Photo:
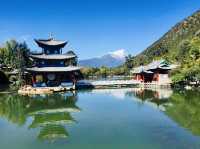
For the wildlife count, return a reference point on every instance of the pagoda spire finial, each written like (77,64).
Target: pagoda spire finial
(51,35)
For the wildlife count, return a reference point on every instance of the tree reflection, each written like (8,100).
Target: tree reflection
(183,107)
(49,113)
(185,110)
(13,108)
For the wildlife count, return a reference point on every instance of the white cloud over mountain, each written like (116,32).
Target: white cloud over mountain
(112,59)
(121,53)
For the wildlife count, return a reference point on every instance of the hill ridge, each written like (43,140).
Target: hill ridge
(186,29)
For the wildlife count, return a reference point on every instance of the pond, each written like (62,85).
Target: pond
(110,119)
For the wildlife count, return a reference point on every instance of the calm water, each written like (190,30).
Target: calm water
(110,119)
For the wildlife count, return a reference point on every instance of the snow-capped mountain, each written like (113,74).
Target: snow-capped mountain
(112,59)
(119,54)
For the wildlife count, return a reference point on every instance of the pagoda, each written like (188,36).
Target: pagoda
(51,67)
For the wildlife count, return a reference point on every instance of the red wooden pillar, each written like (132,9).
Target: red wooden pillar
(143,77)
(157,76)
(136,77)
(33,79)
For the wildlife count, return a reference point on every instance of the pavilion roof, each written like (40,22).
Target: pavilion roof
(141,69)
(53,69)
(53,56)
(160,64)
(50,42)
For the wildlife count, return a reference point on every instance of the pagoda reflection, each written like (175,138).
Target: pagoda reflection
(49,113)
(53,132)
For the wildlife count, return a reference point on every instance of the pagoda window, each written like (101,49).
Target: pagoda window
(51,77)
(56,52)
(37,63)
(69,62)
(39,78)
(66,63)
(61,63)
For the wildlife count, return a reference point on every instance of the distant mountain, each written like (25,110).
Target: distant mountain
(168,46)
(112,59)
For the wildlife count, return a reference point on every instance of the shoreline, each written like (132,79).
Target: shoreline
(96,84)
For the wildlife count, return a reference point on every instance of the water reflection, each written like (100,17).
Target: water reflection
(49,113)
(185,110)
(180,106)
(183,107)
(155,97)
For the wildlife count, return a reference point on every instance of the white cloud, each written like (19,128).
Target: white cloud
(121,53)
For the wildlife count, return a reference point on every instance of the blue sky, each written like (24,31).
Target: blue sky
(93,27)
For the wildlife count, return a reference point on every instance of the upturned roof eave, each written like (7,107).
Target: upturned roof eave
(46,43)
(163,68)
(52,57)
(53,69)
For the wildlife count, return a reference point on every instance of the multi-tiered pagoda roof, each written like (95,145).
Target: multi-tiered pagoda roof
(50,43)
(52,64)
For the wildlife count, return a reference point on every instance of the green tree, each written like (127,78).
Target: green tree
(183,49)
(129,61)
(15,55)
